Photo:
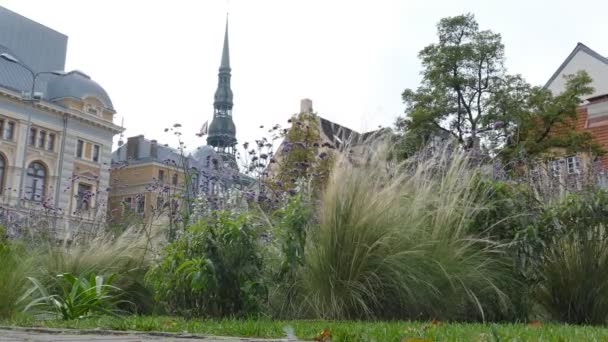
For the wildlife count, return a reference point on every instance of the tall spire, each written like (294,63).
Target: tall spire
(222,131)
(226,52)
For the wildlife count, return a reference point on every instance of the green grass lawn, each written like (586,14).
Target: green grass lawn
(340,331)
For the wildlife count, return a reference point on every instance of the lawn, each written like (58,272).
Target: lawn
(340,331)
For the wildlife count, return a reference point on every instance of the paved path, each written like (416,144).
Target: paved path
(60,335)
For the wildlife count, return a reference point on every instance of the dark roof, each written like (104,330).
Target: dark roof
(16,78)
(41,49)
(226,52)
(579,47)
(336,133)
(340,135)
(222,131)
(77,85)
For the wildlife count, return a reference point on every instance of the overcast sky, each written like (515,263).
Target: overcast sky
(158,60)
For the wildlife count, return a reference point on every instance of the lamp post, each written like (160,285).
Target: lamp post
(32,98)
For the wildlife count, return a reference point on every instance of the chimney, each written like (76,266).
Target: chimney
(133,147)
(306,106)
(153,149)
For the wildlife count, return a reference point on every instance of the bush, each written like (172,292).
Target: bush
(127,255)
(394,242)
(214,269)
(16,263)
(573,284)
(78,297)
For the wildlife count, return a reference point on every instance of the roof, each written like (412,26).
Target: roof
(38,46)
(580,47)
(340,135)
(75,84)
(41,49)
(78,85)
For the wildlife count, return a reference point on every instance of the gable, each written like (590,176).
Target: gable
(582,58)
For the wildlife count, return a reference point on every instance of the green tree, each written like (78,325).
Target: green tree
(543,120)
(467,94)
(461,74)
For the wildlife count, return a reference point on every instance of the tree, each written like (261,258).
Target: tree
(545,121)
(461,74)
(467,94)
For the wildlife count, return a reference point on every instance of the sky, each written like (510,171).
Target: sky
(159,60)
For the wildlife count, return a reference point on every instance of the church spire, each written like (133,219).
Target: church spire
(226,52)
(222,132)
(223,94)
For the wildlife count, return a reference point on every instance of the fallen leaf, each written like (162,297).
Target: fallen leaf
(324,336)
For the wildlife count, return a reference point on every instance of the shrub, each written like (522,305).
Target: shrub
(573,284)
(127,255)
(213,269)
(291,226)
(16,263)
(393,241)
(78,297)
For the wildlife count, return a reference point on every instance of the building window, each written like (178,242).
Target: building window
(51,145)
(174,179)
(128,202)
(33,133)
(2,168)
(85,193)
(42,139)
(141,203)
(573,165)
(159,202)
(79,148)
(96,151)
(1,129)
(161,175)
(35,182)
(554,167)
(10,130)
(90,109)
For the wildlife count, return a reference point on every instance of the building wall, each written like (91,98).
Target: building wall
(597,69)
(599,130)
(64,170)
(136,180)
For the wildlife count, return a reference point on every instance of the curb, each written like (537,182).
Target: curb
(67,331)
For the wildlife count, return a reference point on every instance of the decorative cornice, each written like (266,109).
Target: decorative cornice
(54,108)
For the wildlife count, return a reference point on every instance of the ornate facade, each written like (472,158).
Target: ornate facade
(56,131)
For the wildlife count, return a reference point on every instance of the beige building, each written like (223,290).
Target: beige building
(148,180)
(56,131)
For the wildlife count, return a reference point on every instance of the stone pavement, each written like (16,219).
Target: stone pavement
(60,335)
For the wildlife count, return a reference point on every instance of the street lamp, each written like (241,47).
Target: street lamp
(32,98)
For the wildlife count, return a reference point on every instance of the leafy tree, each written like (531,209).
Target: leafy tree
(467,94)
(544,121)
(461,74)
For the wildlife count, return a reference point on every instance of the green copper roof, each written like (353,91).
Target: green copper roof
(226,52)
(222,132)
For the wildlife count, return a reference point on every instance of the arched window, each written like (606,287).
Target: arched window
(2,172)
(35,182)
